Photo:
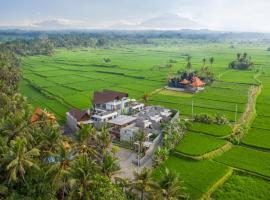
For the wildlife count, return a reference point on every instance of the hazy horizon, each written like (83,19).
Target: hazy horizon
(222,15)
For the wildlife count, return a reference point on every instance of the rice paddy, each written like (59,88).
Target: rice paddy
(68,79)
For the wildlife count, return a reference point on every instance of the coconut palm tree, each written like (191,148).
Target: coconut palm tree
(19,159)
(49,141)
(238,56)
(58,171)
(84,141)
(204,61)
(104,139)
(109,165)
(143,182)
(140,137)
(170,186)
(80,175)
(161,155)
(211,61)
(189,66)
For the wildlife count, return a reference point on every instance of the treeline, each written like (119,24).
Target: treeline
(43,42)
(23,47)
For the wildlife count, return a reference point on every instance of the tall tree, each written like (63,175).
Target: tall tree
(20,159)
(204,61)
(211,61)
(143,182)
(170,186)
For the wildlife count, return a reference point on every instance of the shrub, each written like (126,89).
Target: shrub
(204,118)
(221,119)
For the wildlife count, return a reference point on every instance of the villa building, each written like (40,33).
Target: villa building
(75,117)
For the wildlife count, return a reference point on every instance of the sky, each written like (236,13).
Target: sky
(225,15)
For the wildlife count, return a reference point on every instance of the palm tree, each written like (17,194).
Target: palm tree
(109,165)
(245,55)
(204,61)
(140,137)
(84,143)
(104,139)
(19,159)
(49,141)
(161,155)
(170,186)
(145,97)
(238,56)
(143,182)
(80,175)
(189,66)
(211,61)
(59,170)
(189,58)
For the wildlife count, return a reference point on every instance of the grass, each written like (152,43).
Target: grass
(67,74)
(247,159)
(196,144)
(243,186)
(211,129)
(198,177)
(258,138)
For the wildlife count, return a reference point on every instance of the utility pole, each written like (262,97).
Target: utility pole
(139,155)
(192,108)
(235,116)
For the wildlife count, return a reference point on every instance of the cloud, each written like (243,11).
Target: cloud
(236,15)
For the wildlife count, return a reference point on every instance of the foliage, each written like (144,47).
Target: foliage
(243,62)
(171,186)
(204,118)
(208,119)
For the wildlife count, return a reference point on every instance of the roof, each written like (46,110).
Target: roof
(185,81)
(197,82)
(38,113)
(107,96)
(78,114)
(122,120)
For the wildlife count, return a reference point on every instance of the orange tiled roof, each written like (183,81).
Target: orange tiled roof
(197,82)
(37,114)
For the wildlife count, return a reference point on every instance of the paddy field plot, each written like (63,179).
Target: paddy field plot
(243,186)
(211,129)
(247,159)
(198,176)
(196,144)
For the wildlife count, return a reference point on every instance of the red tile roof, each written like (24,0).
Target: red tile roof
(37,114)
(107,96)
(197,82)
(79,114)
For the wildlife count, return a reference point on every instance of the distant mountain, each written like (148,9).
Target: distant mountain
(53,24)
(166,21)
(170,21)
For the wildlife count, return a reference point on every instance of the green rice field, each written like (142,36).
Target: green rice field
(243,186)
(197,144)
(68,79)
